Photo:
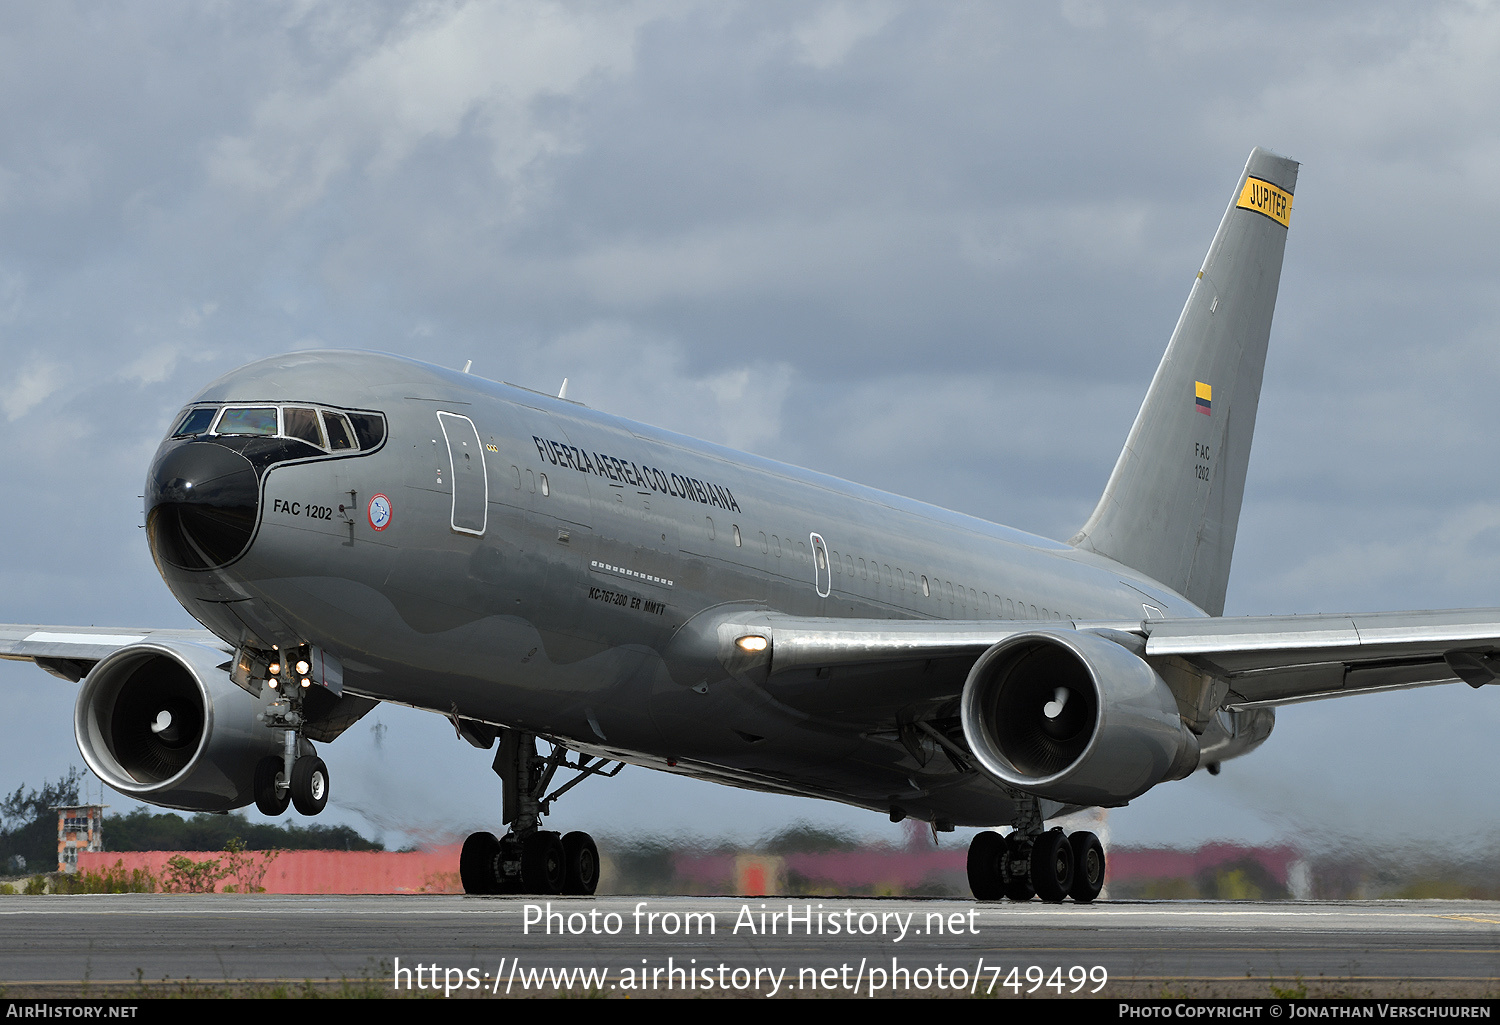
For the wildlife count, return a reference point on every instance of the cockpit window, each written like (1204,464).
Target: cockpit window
(248,420)
(195,422)
(369,429)
(302,423)
(326,429)
(340,437)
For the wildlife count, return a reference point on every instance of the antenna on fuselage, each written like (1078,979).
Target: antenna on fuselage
(562,392)
(467,364)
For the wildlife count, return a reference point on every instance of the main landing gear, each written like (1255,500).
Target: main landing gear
(1031,862)
(529,859)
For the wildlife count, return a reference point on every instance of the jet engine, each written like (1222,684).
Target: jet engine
(1074,717)
(164,723)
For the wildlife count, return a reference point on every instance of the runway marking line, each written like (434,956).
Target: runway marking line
(1470,918)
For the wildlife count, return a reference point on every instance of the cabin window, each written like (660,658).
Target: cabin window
(736,528)
(926,590)
(546,488)
(765,546)
(515,472)
(710,520)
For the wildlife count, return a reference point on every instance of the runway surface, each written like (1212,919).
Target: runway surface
(659,946)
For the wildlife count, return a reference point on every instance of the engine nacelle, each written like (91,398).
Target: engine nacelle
(163,723)
(1074,717)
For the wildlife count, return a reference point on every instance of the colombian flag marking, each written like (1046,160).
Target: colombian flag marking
(1205,397)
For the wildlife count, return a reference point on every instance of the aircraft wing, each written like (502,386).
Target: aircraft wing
(871,669)
(1279,660)
(1265,660)
(69,652)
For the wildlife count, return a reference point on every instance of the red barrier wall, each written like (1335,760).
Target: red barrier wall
(429,871)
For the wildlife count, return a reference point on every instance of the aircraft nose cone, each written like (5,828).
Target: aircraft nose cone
(201,505)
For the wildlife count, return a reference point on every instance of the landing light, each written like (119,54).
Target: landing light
(752,643)
(306,682)
(302,668)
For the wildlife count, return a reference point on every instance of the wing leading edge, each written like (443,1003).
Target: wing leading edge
(69,652)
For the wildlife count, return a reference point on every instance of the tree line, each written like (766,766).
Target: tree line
(28,830)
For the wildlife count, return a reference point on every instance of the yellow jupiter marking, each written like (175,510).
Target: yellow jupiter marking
(1265,198)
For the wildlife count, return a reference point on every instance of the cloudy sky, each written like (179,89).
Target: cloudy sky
(932,247)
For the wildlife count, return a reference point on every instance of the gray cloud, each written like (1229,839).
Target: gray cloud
(934,248)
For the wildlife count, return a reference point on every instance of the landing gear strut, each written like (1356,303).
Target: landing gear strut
(1032,862)
(529,859)
(297,776)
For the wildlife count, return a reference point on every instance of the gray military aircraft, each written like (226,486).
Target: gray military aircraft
(354,528)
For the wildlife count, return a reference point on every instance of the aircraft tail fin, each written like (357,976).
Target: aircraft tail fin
(1172,505)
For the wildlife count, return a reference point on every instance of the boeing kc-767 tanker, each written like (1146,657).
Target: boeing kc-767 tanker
(352,528)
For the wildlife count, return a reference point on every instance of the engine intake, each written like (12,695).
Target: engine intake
(163,723)
(1074,717)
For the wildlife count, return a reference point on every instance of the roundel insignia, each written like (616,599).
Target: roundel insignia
(380,512)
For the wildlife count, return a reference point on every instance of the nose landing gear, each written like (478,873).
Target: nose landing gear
(309,785)
(529,859)
(297,776)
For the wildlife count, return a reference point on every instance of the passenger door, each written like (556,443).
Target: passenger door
(471,488)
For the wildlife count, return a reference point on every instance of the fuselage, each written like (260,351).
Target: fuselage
(493,553)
